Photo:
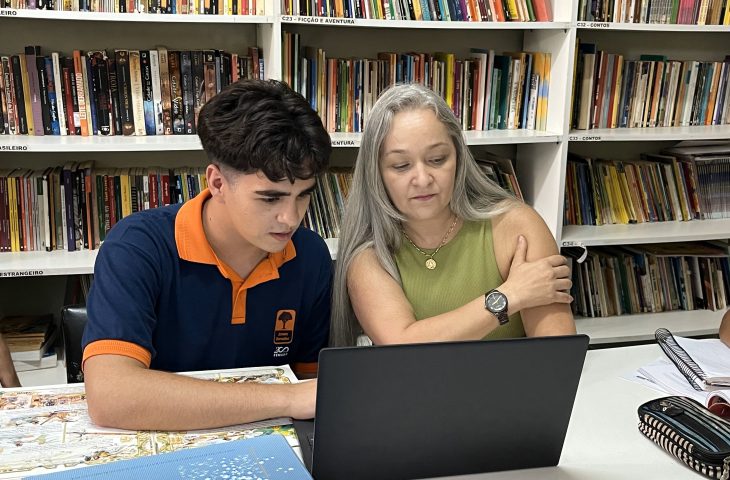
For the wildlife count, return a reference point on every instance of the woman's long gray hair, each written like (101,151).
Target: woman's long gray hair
(372,221)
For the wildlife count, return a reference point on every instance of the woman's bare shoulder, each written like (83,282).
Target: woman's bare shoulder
(526,221)
(517,219)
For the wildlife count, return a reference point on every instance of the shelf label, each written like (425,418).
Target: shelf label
(319,20)
(8,13)
(571,243)
(13,148)
(594,25)
(343,143)
(22,273)
(584,138)
(576,244)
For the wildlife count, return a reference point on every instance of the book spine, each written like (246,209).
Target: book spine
(53,103)
(116,112)
(69,226)
(198,69)
(125,92)
(80,95)
(157,110)
(135,81)
(3,105)
(90,95)
(186,76)
(147,94)
(165,91)
(33,92)
(72,104)
(105,100)
(20,103)
(9,97)
(43,83)
(178,119)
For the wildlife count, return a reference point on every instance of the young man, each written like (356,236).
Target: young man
(226,280)
(8,376)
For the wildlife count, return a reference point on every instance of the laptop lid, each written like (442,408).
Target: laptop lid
(439,409)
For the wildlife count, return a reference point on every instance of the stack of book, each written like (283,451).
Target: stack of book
(74,206)
(327,204)
(687,12)
(485,91)
(128,92)
(501,171)
(682,183)
(180,7)
(653,91)
(651,278)
(30,340)
(426,10)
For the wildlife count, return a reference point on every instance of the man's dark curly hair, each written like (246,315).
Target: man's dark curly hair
(254,125)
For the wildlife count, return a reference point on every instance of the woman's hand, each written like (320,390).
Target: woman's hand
(538,283)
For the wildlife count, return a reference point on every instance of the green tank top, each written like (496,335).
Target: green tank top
(466,269)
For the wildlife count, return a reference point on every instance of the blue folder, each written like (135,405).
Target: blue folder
(267,457)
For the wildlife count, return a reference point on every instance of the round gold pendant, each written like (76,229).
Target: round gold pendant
(431,264)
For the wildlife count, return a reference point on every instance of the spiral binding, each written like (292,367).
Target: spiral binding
(681,359)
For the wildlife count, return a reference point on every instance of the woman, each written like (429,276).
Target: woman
(428,241)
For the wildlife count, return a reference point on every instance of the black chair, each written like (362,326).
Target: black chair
(73,321)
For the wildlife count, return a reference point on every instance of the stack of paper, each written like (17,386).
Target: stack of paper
(711,355)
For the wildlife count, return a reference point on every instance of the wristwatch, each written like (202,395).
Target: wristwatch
(496,302)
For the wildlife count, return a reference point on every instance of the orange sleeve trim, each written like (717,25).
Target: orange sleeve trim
(308,368)
(117,347)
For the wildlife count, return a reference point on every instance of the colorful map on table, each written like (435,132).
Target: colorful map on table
(47,429)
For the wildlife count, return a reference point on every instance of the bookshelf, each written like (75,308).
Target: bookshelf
(540,156)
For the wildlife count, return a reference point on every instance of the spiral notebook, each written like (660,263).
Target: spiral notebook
(704,368)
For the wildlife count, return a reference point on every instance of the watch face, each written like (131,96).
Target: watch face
(496,302)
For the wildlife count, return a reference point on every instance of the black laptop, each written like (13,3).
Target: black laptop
(441,409)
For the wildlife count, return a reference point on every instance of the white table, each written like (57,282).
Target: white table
(603,441)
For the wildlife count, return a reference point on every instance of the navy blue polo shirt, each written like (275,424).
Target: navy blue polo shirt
(161,296)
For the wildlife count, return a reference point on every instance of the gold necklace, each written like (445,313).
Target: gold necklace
(430,262)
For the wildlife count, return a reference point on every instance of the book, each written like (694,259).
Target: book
(704,368)
(28,337)
(48,360)
(266,457)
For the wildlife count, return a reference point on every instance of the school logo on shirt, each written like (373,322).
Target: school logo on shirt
(284,330)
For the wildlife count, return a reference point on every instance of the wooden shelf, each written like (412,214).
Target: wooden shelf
(133,17)
(635,328)
(591,235)
(38,264)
